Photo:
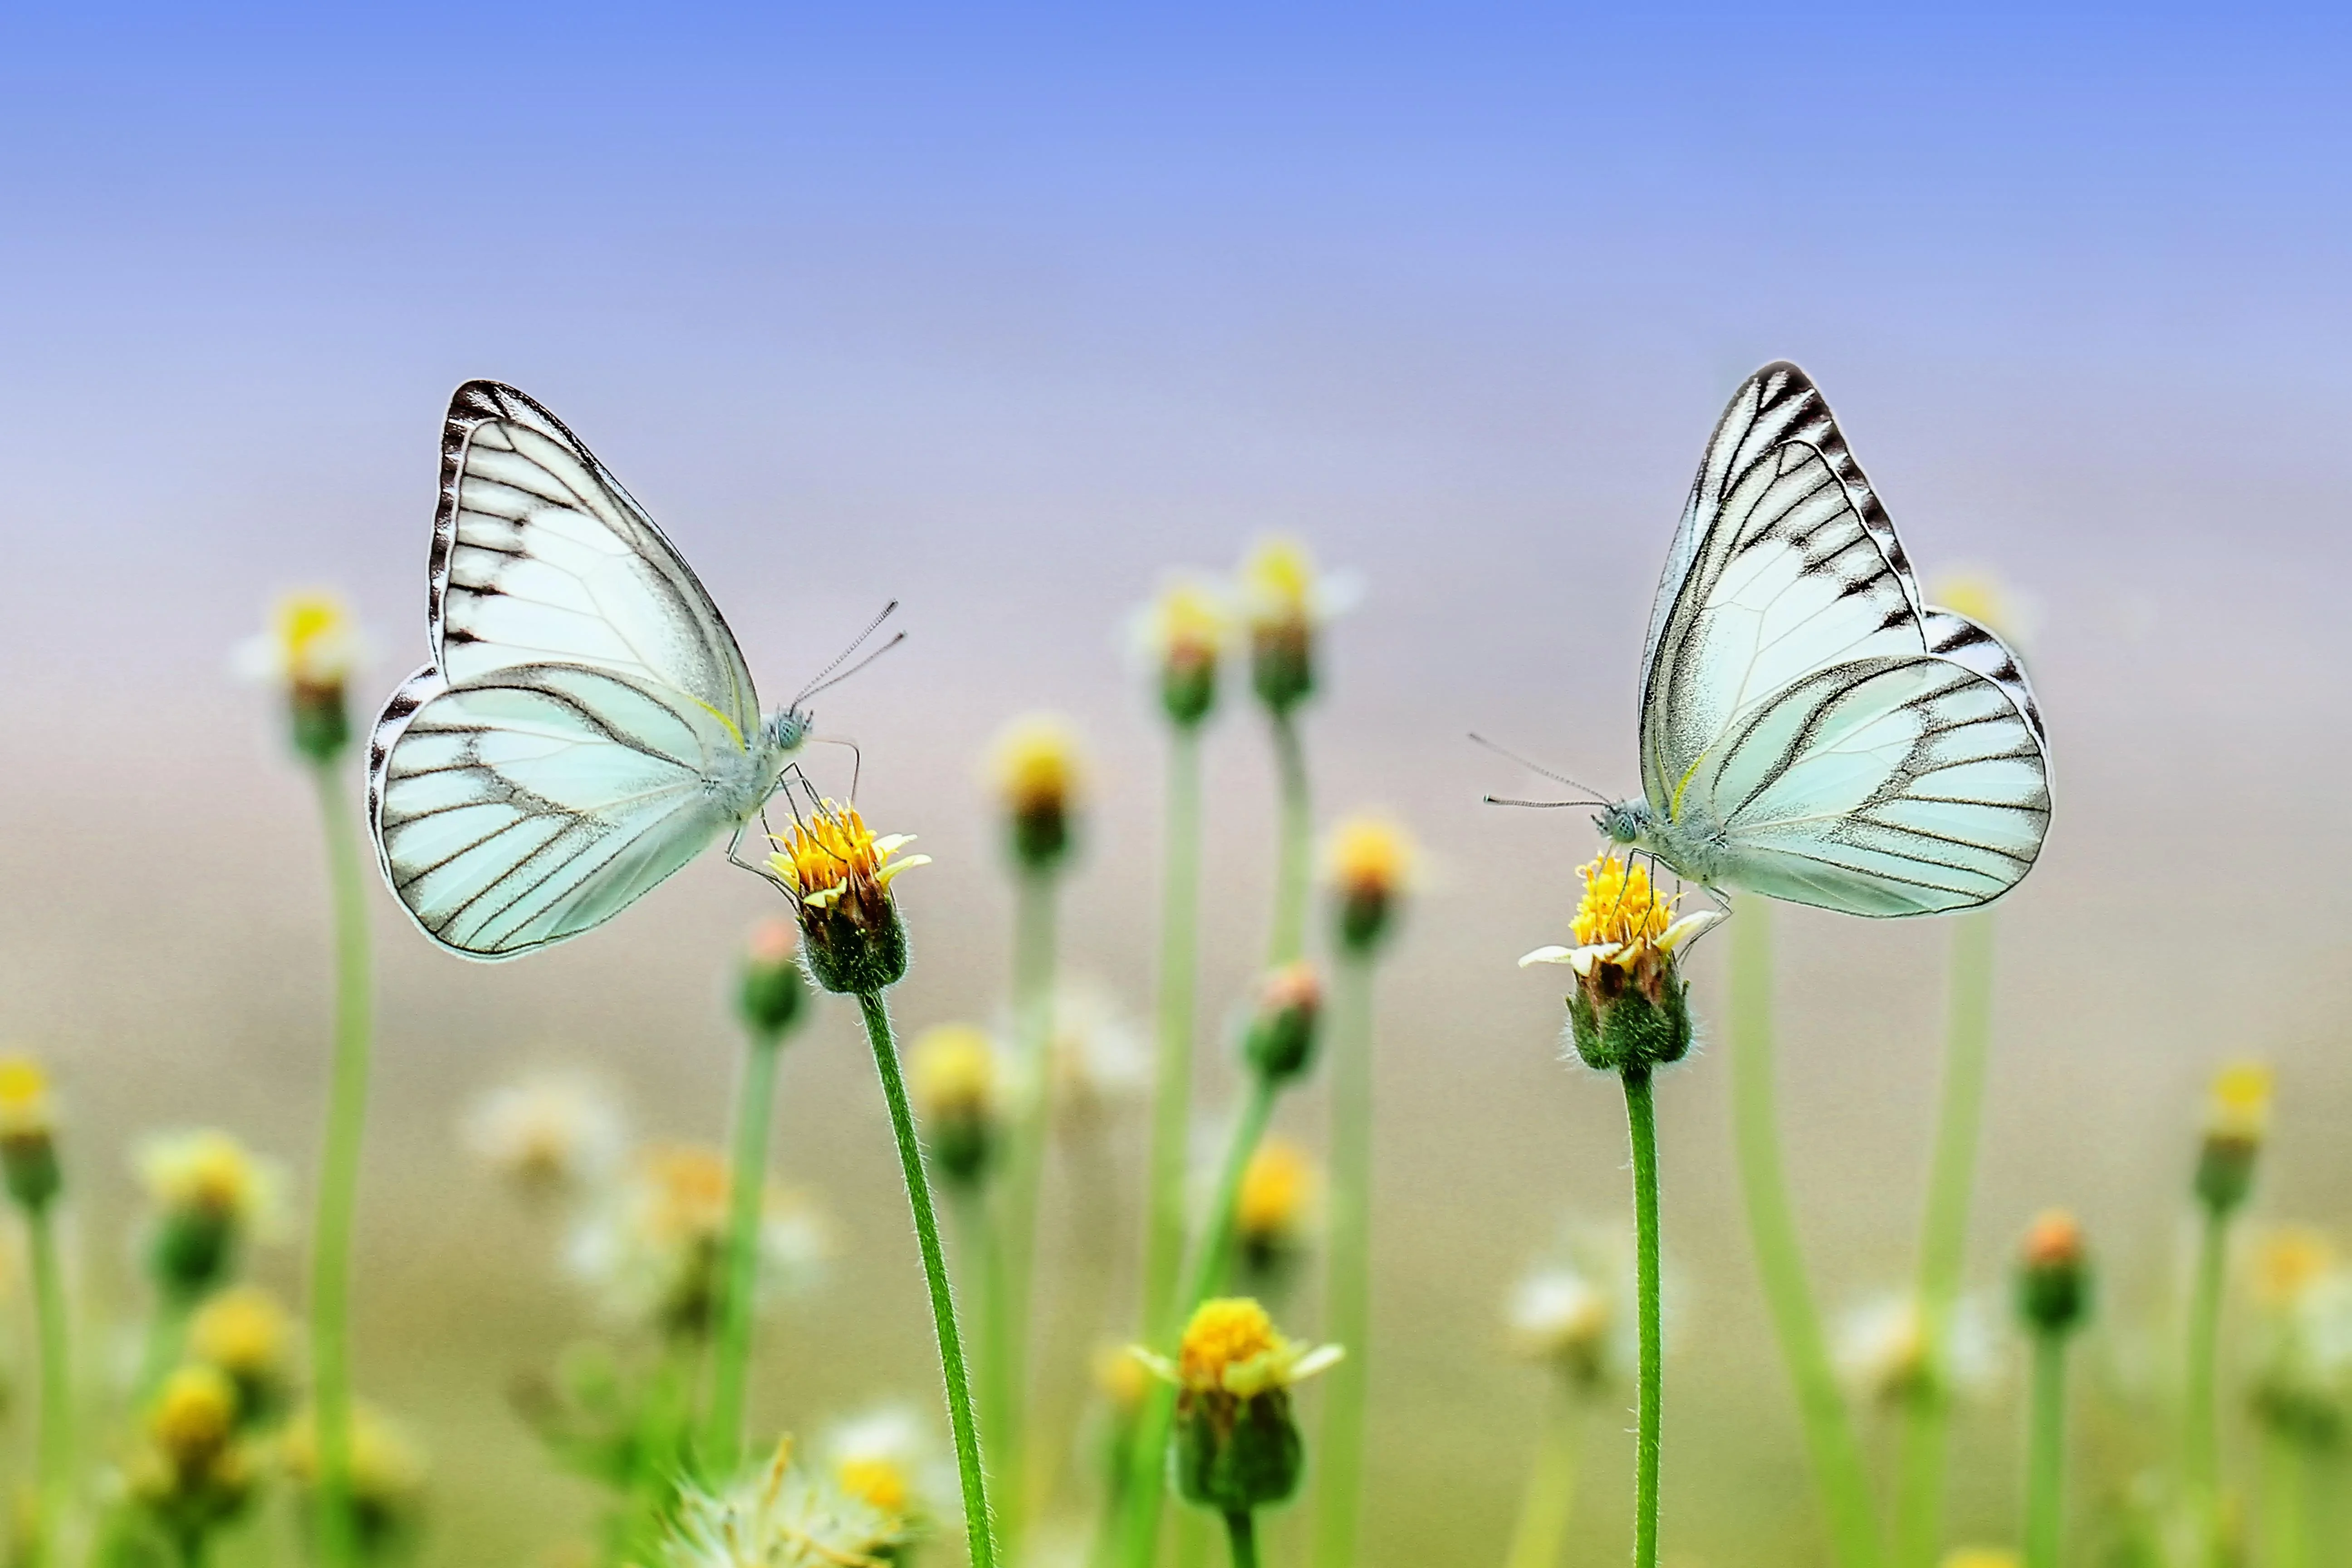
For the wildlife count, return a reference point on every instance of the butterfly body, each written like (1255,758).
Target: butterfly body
(587,724)
(1812,729)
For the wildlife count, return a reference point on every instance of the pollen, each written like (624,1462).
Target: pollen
(1224,1334)
(834,854)
(1620,905)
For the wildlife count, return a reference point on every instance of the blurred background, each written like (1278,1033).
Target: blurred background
(1002,312)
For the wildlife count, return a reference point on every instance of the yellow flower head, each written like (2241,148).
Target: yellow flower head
(211,1173)
(243,1331)
(27,1109)
(1232,1347)
(878,1482)
(1985,599)
(2055,1240)
(1035,765)
(388,1470)
(682,1192)
(1562,1316)
(314,639)
(2289,1262)
(2240,1108)
(194,1416)
(834,861)
(1278,1188)
(1122,1377)
(954,1072)
(884,1458)
(1370,856)
(1620,906)
(1185,627)
(1979,1557)
(1279,591)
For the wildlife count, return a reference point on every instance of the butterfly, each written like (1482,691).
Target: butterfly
(1812,729)
(587,724)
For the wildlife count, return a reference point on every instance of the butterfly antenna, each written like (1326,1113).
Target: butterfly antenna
(1535,767)
(1540,805)
(822,685)
(820,681)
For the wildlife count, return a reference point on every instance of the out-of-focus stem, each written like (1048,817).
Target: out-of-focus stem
(2286,1502)
(1171,1103)
(2200,1445)
(746,1190)
(1287,942)
(1549,1499)
(339,1175)
(1032,1023)
(1347,1293)
(979,1524)
(2045,1453)
(1829,1432)
(50,1324)
(1241,1528)
(1943,1239)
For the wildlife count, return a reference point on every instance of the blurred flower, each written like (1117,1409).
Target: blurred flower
(778,1516)
(1985,598)
(2287,1261)
(656,1245)
(1182,632)
(1629,1007)
(1275,1208)
(1237,1447)
(309,651)
(1372,868)
(555,1133)
(1121,1377)
(190,1473)
(890,1458)
(1280,1041)
(955,1074)
(839,877)
(387,1478)
(28,1154)
(1883,1349)
(1285,602)
(771,992)
(1980,1557)
(2237,1120)
(1098,1056)
(1560,1316)
(2302,1385)
(245,1333)
(2053,1274)
(210,1195)
(1039,777)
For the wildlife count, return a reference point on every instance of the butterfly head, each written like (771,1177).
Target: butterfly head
(787,729)
(1624,823)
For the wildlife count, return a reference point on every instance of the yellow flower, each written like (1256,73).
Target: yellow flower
(1985,599)
(209,1172)
(2289,1262)
(1278,1188)
(388,1470)
(838,875)
(1232,1347)
(313,643)
(2240,1109)
(779,1517)
(1284,603)
(954,1071)
(27,1109)
(886,1458)
(1183,634)
(1370,862)
(655,1245)
(1035,764)
(192,1415)
(1560,1315)
(244,1332)
(878,1481)
(1630,1009)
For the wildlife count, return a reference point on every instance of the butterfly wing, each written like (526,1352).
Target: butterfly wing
(525,804)
(1855,748)
(538,556)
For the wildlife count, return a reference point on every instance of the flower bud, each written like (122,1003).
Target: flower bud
(839,875)
(192,1473)
(209,1195)
(1183,633)
(1370,865)
(28,1151)
(2054,1275)
(244,1334)
(769,996)
(1631,1008)
(1272,1211)
(2237,1120)
(1284,608)
(1280,1043)
(955,1076)
(308,653)
(1237,1446)
(1038,776)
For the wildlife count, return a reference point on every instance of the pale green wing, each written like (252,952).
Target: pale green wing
(527,805)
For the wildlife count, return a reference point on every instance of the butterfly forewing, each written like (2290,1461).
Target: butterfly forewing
(540,555)
(1852,747)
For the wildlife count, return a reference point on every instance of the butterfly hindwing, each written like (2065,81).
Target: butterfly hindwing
(1853,747)
(526,804)
(539,554)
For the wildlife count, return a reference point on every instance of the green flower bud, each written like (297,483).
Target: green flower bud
(28,1150)
(2237,1120)
(1237,1447)
(1037,775)
(771,994)
(954,1074)
(2053,1276)
(839,876)
(1280,1043)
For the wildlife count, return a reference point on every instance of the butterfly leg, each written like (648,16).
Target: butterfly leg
(858,759)
(736,843)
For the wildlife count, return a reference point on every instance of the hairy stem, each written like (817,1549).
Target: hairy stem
(1642,1123)
(980,1526)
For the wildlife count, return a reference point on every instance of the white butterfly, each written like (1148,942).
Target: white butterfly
(1810,729)
(587,725)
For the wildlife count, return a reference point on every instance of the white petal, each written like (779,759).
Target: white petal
(1584,958)
(1320,1359)
(1689,926)
(1544,955)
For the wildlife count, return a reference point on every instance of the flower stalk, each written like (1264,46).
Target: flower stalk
(1943,1240)
(2238,1120)
(2053,1299)
(1171,1093)
(1549,1500)
(1642,1124)
(1829,1441)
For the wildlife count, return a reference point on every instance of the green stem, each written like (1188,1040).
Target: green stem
(747,1192)
(1943,1240)
(1148,1463)
(2045,1498)
(1347,1293)
(339,1175)
(980,1526)
(1033,1022)
(1829,1432)
(1171,1101)
(167,1334)
(1642,1124)
(2286,1503)
(1241,1528)
(1287,942)
(56,1371)
(1550,1496)
(2201,1448)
